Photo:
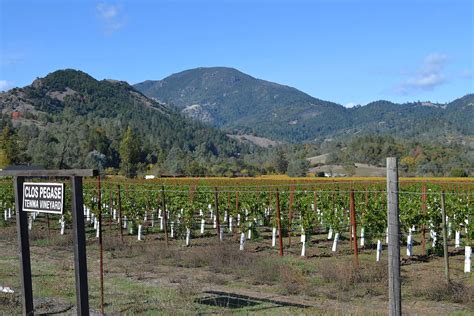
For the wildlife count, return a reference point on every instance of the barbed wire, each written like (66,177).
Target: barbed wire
(314,183)
(297,181)
(285,191)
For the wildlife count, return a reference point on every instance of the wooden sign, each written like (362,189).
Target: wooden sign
(52,192)
(43,197)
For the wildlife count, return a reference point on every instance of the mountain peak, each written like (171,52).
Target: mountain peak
(65,78)
(69,74)
(222,69)
(227,97)
(230,99)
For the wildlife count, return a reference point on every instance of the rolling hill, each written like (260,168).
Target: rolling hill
(69,119)
(234,101)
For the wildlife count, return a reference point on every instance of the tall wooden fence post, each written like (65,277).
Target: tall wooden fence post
(290,213)
(24,245)
(101,247)
(216,206)
(394,287)
(228,209)
(280,236)
(165,214)
(354,227)
(120,213)
(111,208)
(237,203)
(80,258)
(445,238)
(423,212)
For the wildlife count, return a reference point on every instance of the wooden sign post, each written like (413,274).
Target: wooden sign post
(49,198)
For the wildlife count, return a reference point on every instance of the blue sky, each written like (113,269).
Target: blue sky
(350,52)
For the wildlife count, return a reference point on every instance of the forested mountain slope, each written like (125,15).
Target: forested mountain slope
(69,119)
(232,100)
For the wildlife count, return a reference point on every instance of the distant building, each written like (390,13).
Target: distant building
(334,175)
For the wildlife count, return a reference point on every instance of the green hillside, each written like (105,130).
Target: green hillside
(234,101)
(69,119)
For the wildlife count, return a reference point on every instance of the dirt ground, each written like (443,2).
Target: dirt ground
(212,277)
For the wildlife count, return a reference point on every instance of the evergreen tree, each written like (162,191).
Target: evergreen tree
(4,160)
(298,168)
(8,149)
(281,163)
(129,152)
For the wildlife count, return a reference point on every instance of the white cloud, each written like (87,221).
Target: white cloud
(107,11)
(111,17)
(429,75)
(4,85)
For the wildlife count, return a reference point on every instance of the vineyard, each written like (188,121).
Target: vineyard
(294,224)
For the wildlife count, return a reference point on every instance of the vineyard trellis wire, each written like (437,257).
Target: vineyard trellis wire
(246,207)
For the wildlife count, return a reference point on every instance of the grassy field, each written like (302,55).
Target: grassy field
(148,277)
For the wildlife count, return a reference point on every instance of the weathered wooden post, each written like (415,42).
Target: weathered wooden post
(120,213)
(216,206)
(423,226)
(165,214)
(80,259)
(237,204)
(24,247)
(445,238)
(394,287)
(354,227)
(101,249)
(111,208)
(290,213)
(280,237)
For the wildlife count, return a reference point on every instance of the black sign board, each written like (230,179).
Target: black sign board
(51,194)
(43,197)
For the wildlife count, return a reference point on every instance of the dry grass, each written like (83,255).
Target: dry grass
(215,279)
(293,281)
(221,258)
(12,301)
(368,279)
(331,279)
(66,265)
(188,290)
(41,237)
(439,290)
